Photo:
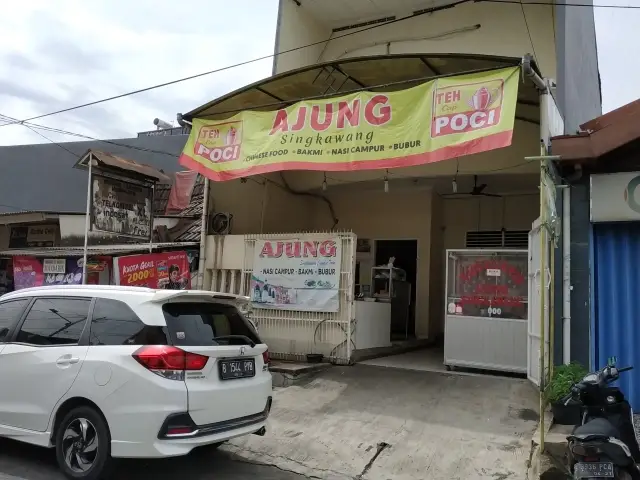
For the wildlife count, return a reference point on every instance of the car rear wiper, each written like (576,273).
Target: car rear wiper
(250,342)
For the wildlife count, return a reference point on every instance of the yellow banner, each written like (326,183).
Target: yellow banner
(442,119)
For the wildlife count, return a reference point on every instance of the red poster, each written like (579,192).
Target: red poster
(168,270)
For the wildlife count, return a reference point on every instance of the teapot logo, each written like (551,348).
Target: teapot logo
(629,194)
(483,98)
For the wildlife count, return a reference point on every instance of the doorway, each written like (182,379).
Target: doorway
(406,258)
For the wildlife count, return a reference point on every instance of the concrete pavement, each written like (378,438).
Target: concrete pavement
(365,422)
(357,423)
(25,462)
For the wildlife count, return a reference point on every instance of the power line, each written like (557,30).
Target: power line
(32,126)
(558,4)
(236,65)
(273,55)
(526,22)
(294,100)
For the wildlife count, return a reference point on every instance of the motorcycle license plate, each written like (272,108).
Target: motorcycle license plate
(593,470)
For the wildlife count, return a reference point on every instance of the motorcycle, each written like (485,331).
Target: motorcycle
(604,445)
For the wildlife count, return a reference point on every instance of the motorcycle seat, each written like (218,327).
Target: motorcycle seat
(598,428)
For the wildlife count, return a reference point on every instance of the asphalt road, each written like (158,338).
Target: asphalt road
(25,462)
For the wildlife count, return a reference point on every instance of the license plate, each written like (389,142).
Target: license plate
(591,470)
(230,369)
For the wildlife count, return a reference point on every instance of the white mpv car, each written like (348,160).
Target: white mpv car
(102,372)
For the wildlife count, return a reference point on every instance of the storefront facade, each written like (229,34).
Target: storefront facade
(44,248)
(615,218)
(414,216)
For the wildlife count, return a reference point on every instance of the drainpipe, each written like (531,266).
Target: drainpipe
(566,275)
(530,73)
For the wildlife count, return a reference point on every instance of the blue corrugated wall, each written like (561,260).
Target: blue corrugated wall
(616,296)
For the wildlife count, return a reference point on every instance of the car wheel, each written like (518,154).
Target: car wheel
(83,445)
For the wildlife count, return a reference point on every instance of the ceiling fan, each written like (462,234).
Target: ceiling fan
(476,191)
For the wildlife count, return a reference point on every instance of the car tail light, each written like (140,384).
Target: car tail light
(169,362)
(265,357)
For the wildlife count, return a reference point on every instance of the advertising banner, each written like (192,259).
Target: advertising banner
(297,275)
(445,118)
(33,236)
(120,207)
(36,272)
(168,270)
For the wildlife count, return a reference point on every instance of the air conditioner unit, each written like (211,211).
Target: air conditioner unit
(220,224)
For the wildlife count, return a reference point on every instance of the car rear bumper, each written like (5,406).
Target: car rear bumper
(177,445)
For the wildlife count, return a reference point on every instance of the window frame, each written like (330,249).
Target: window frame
(82,342)
(12,330)
(86,334)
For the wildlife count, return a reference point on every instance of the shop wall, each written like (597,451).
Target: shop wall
(261,205)
(4,237)
(461,215)
(397,215)
(515,212)
(296,28)
(580,254)
(498,22)
(437,272)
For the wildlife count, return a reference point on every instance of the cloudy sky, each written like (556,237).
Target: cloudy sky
(62,53)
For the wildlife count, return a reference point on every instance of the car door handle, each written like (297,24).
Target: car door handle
(67,360)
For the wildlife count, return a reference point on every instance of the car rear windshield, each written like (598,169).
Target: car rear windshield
(204,324)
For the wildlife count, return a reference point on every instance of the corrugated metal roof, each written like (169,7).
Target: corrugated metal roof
(191,234)
(122,163)
(616,330)
(93,249)
(375,73)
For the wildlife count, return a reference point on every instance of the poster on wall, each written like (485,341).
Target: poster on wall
(120,207)
(168,270)
(297,275)
(36,272)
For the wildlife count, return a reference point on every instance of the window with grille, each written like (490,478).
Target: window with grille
(498,239)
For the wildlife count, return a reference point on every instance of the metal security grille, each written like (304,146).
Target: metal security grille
(291,335)
(518,239)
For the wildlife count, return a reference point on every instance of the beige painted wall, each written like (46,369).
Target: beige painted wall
(459,216)
(394,215)
(486,213)
(503,32)
(298,28)
(262,205)
(436,290)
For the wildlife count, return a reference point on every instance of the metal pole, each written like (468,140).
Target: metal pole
(153,191)
(543,282)
(203,234)
(87,225)
(544,139)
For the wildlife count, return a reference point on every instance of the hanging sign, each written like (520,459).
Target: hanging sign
(297,275)
(168,270)
(442,119)
(33,236)
(121,208)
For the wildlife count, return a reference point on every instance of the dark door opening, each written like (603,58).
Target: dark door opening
(406,258)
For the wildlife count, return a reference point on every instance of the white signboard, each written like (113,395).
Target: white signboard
(301,275)
(615,197)
(120,207)
(54,265)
